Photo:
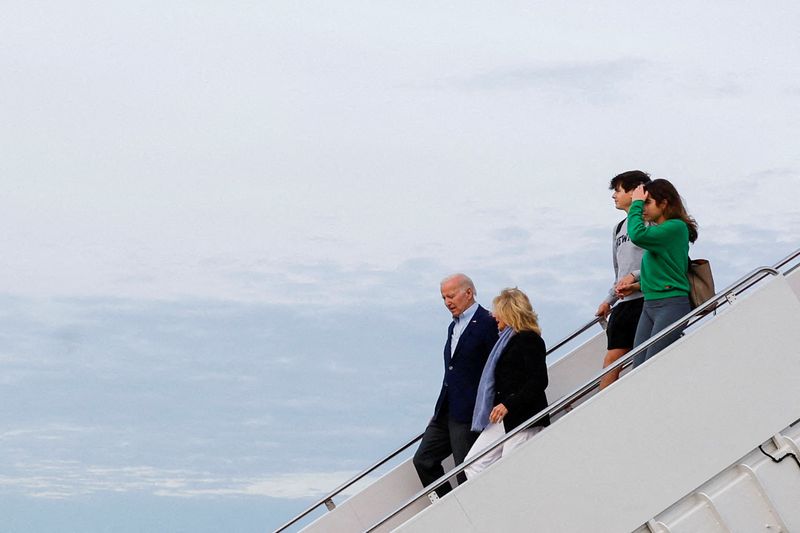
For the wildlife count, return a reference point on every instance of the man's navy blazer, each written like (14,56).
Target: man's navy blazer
(463,371)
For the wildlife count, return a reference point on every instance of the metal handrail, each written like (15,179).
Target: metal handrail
(574,334)
(328,499)
(786,260)
(780,264)
(719,298)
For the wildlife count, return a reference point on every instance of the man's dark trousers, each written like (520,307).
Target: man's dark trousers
(442,437)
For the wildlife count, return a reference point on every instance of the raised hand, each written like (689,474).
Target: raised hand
(639,193)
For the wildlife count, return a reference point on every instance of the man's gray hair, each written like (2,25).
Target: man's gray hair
(464,281)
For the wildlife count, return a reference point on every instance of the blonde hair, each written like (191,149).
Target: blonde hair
(514,308)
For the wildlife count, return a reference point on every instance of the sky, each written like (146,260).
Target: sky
(225,223)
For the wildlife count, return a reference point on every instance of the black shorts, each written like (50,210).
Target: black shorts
(622,325)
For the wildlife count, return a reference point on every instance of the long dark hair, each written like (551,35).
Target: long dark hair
(660,190)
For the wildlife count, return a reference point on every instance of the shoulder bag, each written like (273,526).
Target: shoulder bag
(701,282)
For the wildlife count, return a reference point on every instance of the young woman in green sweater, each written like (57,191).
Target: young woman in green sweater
(665,263)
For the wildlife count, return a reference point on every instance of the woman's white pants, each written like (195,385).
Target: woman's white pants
(490,434)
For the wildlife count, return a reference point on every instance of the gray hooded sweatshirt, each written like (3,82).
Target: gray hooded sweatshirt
(627,258)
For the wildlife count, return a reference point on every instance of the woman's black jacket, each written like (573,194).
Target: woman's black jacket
(521,378)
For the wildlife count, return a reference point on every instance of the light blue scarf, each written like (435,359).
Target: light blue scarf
(485,399)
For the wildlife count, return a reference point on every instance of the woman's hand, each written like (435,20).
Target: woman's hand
(626,286)
(626,290)
(639,193)
(498,413)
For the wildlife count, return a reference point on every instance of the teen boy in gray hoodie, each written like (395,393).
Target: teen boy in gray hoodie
(627,258)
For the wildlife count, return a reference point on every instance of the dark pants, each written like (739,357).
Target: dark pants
(656,316)
(442,437)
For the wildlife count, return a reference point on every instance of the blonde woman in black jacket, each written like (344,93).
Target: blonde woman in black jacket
(513,383)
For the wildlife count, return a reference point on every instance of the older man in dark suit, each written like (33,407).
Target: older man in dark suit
(470,339)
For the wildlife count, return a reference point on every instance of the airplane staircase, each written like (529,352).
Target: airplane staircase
(702,437)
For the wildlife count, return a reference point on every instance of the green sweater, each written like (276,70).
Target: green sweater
(666,254)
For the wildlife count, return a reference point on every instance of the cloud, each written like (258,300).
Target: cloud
(302,485)
(719,206)
(48,431)
(598,80)
(229,377)
(71,479)
(512,235)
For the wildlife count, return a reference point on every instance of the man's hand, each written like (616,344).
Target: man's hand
(498,413)
(604,310)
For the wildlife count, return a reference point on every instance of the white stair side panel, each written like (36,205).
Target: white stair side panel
(576,368)
(641,444)
(450,518)
(696,514)
(781,483)
(794,281)
(743,506)
(376,501)
(342,518)
(774,485)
